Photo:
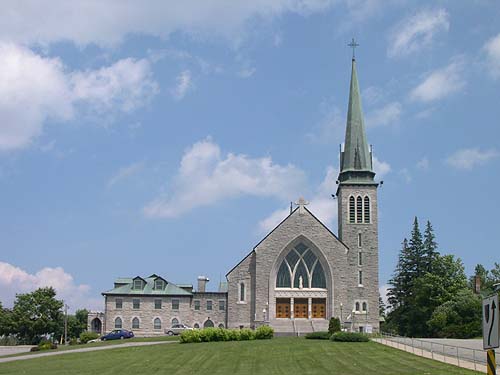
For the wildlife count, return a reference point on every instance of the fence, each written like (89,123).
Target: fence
(471,358)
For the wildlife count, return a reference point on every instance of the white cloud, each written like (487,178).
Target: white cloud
(331,127)
(184,84)
(15,280)
(468,158)
(205,177)
(423,164)
(124,173)
(406,175)
(492,49)
(107,23)
(417,32)
(440,83)
(34,89)
(322,205)
(387,115)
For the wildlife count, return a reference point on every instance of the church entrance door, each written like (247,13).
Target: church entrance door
(300,308)
(319,308)
(283,308)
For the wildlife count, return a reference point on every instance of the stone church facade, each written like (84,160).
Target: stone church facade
(294,279)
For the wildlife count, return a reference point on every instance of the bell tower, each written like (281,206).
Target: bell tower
(358,215)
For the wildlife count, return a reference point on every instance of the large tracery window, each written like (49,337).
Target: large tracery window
(301,269)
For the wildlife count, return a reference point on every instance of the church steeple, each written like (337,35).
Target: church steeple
(356,159)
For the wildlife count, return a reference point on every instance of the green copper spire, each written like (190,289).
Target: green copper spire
(356,159)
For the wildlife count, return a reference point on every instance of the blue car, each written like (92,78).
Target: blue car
(118,334)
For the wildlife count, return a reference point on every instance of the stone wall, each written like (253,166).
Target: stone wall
(241,313)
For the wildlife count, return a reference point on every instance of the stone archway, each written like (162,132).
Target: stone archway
(96,325)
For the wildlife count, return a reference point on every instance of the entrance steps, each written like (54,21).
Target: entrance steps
(303,326)
(298,327)
(282,326)
(320,325)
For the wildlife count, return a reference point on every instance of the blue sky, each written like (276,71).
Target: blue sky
(169,137)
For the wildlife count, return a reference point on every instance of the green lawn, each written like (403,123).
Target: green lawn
(278,356)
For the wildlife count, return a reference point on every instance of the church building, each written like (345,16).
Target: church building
(295,279)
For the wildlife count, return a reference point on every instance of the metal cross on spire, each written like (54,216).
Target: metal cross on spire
(353,45)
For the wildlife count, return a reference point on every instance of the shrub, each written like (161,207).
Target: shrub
(9,341)
(334,325)
(320,335)
(35,349)
(73,341)
(349,337)
(46,345)
(264,332)
(234,334)
(247,334)
(190,336)
(86,336)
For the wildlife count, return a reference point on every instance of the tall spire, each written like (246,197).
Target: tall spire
(356,159)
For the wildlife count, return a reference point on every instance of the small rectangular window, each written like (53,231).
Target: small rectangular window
(118,303)
(222,305)
(136,303)
(175,304)
(360,258)
(209,305)
(159,284)
(157,304)
(360,243)
(242,292)
(196,305)
(360,277)
(137,284)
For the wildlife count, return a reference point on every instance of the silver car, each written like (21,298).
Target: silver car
(177,329)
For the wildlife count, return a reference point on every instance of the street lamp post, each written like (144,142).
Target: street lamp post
(66,324)
(341,317)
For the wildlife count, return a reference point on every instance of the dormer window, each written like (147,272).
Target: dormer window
(137,284)
(159,284)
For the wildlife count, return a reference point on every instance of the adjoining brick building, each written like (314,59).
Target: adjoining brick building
(295,279)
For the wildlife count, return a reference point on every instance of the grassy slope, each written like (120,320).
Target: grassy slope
(277,356)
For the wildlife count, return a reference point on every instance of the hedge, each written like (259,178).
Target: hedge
(320,335)
(222,334)
(349,337)
(86,336)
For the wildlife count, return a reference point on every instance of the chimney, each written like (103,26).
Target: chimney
(202,283)
(477,284)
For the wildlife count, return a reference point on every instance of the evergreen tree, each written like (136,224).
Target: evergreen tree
(429,248)
(416,249)
(381,306)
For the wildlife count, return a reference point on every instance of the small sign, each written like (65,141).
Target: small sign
(490,322)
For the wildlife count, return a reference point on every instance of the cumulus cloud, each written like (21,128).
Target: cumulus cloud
(34,89)
(423,164)
(469,158)
(111,21)
(417,32)
(440,83)
(206,176)
(492,49)
(387,115)
(184,84)
(322,205)
(16,280)
(124,173)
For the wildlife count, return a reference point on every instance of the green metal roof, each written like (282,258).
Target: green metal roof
(170,288)
(356,159)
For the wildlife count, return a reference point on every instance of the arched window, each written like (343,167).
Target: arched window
(242,292)
(357,306)
(359,210)
(208,324)
(196,325)
(118,323)
(352,212)
(221,325)
(367,210)
(300,269)
(157,323)
(364,306)
(175,321)
(135,323)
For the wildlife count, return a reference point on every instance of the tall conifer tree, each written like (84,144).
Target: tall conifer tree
(430,252)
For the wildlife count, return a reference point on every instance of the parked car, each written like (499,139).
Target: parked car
(118,334)
(177,329)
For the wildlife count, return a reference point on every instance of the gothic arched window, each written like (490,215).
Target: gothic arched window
(135,323)
(300,269)
(208,324)
(359,210)
(352,211)
(157,323)
(364,306)
(175,321)
(367,210)
(118,323)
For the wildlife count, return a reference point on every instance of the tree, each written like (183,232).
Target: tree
(416,251)
(459,317)
(5,321)
(487,278)
(36,314)
(77,323)
(381,306)
(429,248)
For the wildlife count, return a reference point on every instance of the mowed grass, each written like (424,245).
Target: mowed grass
(276,356)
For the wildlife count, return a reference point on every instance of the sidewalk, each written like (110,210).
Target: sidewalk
(83,350)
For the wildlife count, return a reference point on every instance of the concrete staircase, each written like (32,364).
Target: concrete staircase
(283,327)
(298,327)
(303,326)
(320,325)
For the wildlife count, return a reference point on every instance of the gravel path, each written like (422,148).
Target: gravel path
(82,350)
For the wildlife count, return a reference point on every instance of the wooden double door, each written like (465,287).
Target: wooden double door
(300,308)
(318,308)
(283,308)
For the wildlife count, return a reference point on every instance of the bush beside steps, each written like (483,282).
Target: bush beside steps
(223,334)
(349,337)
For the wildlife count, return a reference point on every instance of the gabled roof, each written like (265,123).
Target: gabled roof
(127,288)
(277,226)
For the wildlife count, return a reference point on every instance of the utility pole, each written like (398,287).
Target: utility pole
(66,324)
